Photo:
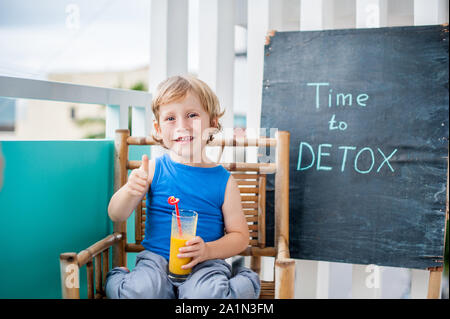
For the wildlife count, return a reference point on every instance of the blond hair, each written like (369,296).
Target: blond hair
(175,88)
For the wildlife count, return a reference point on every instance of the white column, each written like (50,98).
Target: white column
(400,13)
(371,13)
(316,15)
(168,40)
(216,57)
(257,27)
(267,268)
(168,44)
(430,12)
(323,280)
(263,16)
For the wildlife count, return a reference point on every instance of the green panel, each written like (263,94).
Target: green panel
(54,200)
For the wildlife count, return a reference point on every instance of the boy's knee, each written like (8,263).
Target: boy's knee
(138,291)
(135,285)
(215,281)
(209,280)
(216,288)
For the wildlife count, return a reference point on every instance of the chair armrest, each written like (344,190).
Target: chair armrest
(284,271)
(87,254)
(70,264)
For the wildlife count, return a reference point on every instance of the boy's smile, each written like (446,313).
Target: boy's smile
(184,139)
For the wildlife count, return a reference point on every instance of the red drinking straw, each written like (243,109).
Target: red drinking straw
(174,201)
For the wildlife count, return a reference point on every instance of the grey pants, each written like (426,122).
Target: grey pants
(209,279)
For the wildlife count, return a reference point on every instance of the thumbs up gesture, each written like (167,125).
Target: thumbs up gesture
(138,181)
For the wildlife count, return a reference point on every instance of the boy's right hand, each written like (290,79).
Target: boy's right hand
(138,181)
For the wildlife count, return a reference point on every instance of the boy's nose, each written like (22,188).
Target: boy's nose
(182,124)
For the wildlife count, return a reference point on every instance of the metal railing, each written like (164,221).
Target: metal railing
(117,101)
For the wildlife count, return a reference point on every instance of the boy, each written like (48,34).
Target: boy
(186,113)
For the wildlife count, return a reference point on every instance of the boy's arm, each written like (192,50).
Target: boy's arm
(125,200)
(236,238)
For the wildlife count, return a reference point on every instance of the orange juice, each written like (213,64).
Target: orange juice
(175,263)
(179,236)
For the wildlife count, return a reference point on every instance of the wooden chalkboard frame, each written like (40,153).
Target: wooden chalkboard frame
(435,277)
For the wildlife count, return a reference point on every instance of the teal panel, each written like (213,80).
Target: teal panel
(54,200)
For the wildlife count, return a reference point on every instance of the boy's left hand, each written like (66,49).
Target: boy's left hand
(195,248)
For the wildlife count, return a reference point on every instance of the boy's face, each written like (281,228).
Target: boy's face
(183,127)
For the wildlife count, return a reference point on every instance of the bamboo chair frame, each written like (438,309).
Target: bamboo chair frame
(251,178)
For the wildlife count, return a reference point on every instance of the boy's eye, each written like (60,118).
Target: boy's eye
(192,115)
(170,118)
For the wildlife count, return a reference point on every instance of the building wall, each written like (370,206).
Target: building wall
(49,120)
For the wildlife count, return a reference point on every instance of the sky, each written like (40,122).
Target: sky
(37,37)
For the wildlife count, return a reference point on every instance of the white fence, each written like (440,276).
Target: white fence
(117,101)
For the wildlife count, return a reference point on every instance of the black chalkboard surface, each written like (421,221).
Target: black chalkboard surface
(367,110)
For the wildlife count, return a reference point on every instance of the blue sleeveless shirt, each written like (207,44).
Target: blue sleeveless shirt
(199,188)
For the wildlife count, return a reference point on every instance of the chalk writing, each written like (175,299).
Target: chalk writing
(377,156)
(340,99)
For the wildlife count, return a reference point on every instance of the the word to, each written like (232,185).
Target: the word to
(333,126)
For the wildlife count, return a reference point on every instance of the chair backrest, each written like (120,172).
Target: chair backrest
(251,179)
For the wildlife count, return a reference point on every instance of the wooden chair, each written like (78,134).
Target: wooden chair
(251,178)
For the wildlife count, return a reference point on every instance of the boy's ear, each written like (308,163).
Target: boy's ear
(157,128)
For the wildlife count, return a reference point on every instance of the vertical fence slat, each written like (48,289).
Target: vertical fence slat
(262,211)
(141,121)
(98,276)
(323,280)
(90,280)
(105,267)
(267,268)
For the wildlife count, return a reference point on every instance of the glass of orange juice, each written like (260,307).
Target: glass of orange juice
(188,221)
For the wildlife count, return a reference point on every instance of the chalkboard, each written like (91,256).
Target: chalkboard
(367,110)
